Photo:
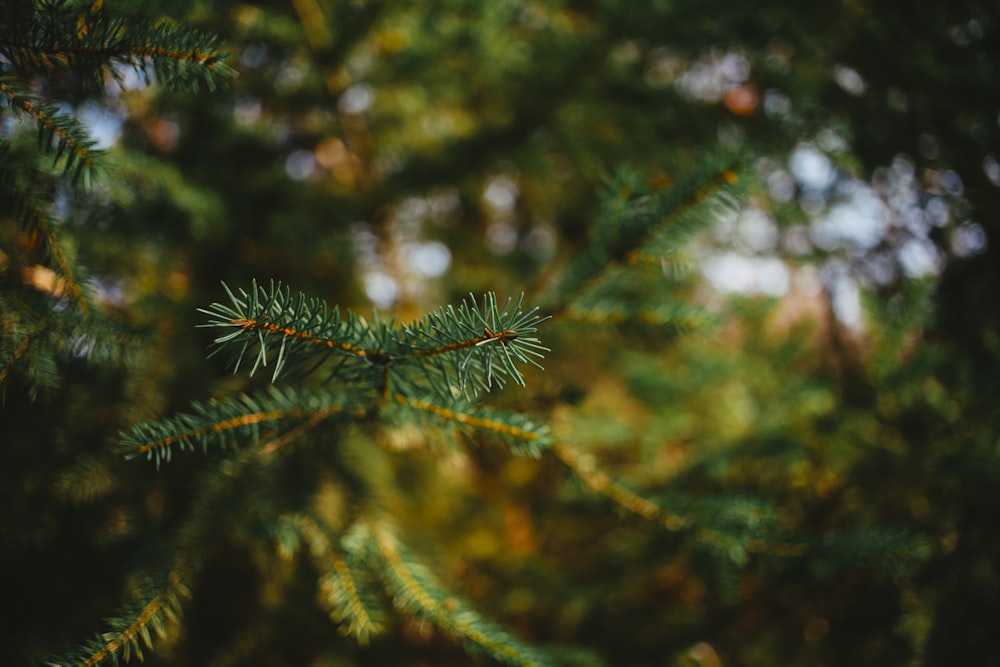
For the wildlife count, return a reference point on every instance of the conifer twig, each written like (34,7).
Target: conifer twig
(347,598)
(636,226)
(522,434)
(223,422)
(42,236)
(135,628)
(414,588)
(584,466)
(21,350)
(72,140)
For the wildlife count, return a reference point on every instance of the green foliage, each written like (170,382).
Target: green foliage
(424,369)
(429,372)
(224,424)
(631,273)
(54,52)
(771,487)
(383,379)
(645,225)
(58,133)
(35,337)
(454,348)
(131,631)
(415,590)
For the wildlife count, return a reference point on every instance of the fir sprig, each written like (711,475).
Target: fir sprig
(59,133)
(43,245)
(416,590)
(228,423)
(157,607)
(639,225)
(302,329)
(45,45)
(522,434)
(347,586)
(62,35)
(35,336)
(474,346)
(478,344)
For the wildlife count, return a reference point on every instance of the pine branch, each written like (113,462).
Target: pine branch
(346,587)
(20,350)
(733,527)
(132,629)
(303,327)
(585,467)
(60,35)
(181,59)
(34,335)
(478,347)
(522,435)
(25,350)
(227,422)
(417,591)
(35,218)
(58,132)
(637,226)
(341,593)
(449,348)
(642,296)
(602,308)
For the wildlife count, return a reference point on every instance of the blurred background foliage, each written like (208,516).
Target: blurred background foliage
(400,154)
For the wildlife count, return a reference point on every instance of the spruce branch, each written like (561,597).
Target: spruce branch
(451,349)
(35,335)
(732,527)
(521,434)
(35,217)
(639,226)
(181,59)
(347,588)
(301,326)
(158,606)
(477,346)
(587,470)
(644,294)
(61,35)
(342,590)
(227,422)
(58,133)
(675,317)
(417,591)
(20,350)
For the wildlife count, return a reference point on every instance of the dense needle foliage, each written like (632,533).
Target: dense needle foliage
(481,401)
